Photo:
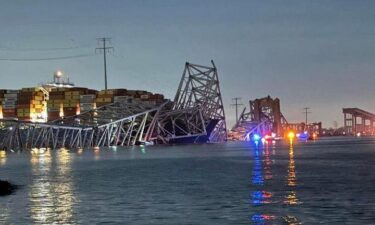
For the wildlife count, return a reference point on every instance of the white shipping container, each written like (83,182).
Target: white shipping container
(145,96)
(86,109)
(11,99)
(122,97)
(86,105)
(87,96)
(9,106)
(13,91)
(11,95)
(85,100)
(123,101)
(9,102)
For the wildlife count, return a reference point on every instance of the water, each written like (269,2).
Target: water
(330,181)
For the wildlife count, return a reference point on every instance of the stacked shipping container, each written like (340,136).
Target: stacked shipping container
(2,92)
(127,96)
(105,97)
(87,102)
(71,101)
(9,104)
(31,104)
(152,99)
(64,102)
(55,103)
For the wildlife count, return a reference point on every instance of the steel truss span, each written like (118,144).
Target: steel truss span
(199,88)
(196,115)
(75,132)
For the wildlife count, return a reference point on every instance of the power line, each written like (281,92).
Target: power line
(46,59)
(7,48)
(236,104)
(43,49)
(105,49)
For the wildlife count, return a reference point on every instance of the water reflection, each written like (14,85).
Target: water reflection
(4,213)
(3,157)
(262,218)
(96,153)
(291,220)
(64,190)
(263,179)
(267,163)
(40,197)
(261,197)
(51,193)
(261,173)
(143,149)
(292,180)
(80,151)
(291,197)
(257,178)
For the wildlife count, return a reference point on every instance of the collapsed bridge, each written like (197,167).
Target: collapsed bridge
(195,115)
(264,117)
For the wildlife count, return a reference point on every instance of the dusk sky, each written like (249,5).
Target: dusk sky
(317,54)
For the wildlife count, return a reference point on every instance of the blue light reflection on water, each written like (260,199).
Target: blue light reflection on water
(261,174)
(260,196)
(257,178)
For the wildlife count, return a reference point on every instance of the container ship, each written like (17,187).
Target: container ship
(60,98)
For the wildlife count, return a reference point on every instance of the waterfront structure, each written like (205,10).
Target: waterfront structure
(196,115)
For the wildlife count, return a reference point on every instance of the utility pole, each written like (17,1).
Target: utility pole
(236,104)
(104,49)
(306,111)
